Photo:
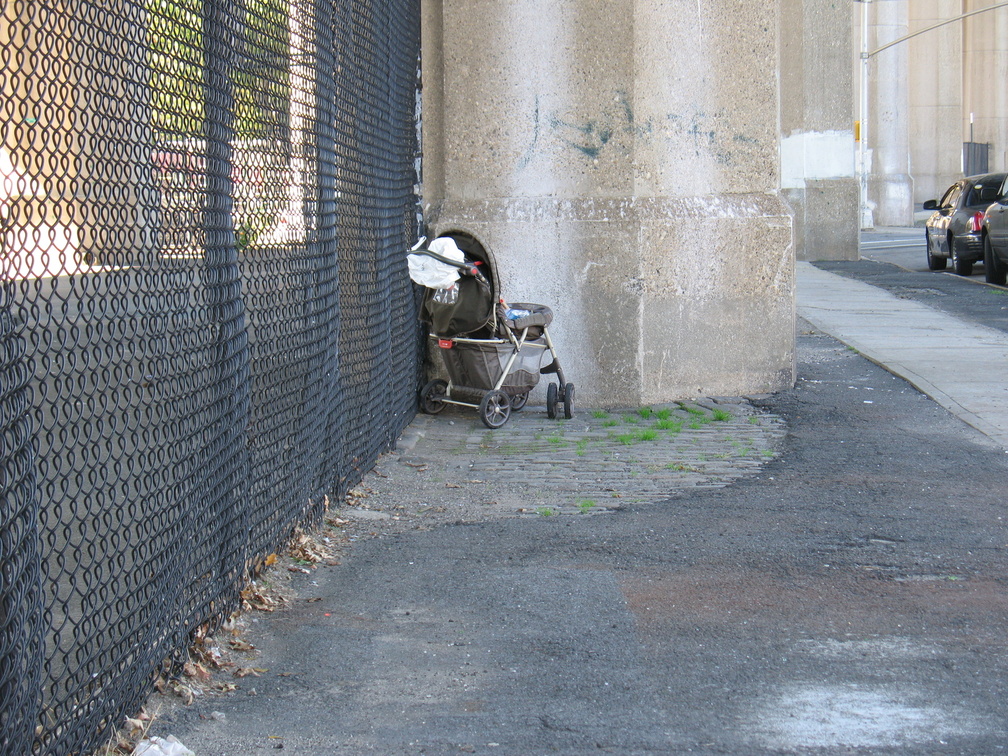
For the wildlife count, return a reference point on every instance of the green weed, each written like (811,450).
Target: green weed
(721,415)
(585,505)
(545,512)
(680,467)
(635,437)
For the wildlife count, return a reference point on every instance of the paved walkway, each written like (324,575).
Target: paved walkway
(961,365)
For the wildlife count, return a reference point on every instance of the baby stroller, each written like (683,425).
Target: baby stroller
(492,351)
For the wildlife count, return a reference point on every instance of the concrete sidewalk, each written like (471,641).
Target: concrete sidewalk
(961,365)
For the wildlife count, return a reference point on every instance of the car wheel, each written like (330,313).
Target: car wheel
(962,267)
(934,262)
(993,272)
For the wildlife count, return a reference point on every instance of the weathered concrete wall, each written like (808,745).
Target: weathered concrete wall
(935,83)
(890,185)
(817,139)
(986,70)
(620,161)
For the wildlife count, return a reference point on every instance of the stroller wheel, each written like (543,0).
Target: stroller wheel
(551,400)
(569,401)
(518,401)
(432,397)
(495,409)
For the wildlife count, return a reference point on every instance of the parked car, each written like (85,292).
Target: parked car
(995,239)
(953,232)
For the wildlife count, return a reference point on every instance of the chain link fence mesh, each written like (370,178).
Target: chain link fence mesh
(206,325)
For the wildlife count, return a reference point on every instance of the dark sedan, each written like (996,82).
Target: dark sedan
(954,229)
(995,239)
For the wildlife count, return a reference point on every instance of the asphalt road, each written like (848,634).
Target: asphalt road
(848,598)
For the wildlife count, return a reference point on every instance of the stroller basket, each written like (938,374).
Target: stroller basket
(480,363)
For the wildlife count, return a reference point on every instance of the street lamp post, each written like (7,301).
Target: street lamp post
(862,131)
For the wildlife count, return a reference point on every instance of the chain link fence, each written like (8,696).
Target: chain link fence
(206,324)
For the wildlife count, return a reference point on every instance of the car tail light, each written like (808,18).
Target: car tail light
(975,223)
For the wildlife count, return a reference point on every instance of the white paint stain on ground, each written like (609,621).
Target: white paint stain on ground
(853,716)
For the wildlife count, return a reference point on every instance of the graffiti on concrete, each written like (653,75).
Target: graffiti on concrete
(692,131)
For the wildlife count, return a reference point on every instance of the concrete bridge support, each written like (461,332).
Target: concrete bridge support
(620,163)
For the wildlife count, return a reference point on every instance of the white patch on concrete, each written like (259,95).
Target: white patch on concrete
(876,648)
(852,716)
(810,156)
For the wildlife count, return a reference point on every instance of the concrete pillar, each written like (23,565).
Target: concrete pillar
(890,186)
(986,70)
(935,84)
(619,161)
(817,138)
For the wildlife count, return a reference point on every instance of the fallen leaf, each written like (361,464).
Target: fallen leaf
(201,673)
(246,672)
(240,645)
(271,560)
(134,724)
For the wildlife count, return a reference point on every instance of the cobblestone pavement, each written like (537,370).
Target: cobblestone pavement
(451,467)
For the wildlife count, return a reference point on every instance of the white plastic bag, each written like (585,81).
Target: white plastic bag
(432,273)
(155,746)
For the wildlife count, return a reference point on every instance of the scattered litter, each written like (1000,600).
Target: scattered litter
(155,746)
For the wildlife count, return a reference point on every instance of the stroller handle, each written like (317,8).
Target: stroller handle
(465,267)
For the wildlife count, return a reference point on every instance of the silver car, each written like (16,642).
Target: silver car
(995,239)
(954,230)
